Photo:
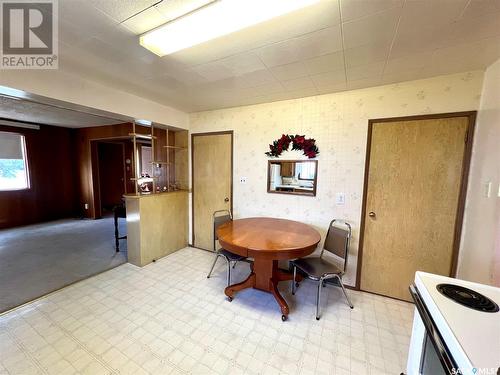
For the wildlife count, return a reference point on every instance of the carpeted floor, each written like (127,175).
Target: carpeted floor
(38,259)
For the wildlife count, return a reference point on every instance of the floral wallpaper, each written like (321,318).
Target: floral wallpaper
(339,123)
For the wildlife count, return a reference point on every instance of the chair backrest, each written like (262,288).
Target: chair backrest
(220,217)
(337,240)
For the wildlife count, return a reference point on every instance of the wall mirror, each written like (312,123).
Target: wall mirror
(292,177)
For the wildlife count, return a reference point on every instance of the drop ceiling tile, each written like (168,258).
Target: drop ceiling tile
(145,21)
(243,63)
(402,76)
(319,42)
(442,68)
(472,29)
(213,71)
(123,9)
(329,79)
(81,15)
(365,71)
(420,40)
(375,29)
(366,54)
(426,25)
(489,50)
(253,79)
(172,9)
(136,51)
(268,98)
(165,83)
(454,58)
(106,51)
(188,77)
(364,83)
(249,80)
(424,14)
(289,71)
(279,53)
(360,8)
(258,77)
(298,84)
(477,8)
(76,57)
(409,62)
(314,44)
(332,87)
(301,93)
(71,35)
(325,63)
(466,56)
(152,68)
(265,89)
(223,84)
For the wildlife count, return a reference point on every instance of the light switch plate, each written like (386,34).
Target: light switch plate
(243,180)
(487,189)
(340,199)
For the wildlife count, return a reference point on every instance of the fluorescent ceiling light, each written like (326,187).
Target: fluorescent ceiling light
(143,122)
(216,19)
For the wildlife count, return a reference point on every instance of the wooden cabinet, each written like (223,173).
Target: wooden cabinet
(287,169)
(157,225)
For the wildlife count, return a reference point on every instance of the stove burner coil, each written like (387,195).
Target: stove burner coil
(468,297)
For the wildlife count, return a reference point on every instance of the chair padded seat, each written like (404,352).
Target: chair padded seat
(316,267)
(231,256)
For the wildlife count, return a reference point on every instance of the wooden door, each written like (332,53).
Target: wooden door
(413,191)
(111,174)
(212,156)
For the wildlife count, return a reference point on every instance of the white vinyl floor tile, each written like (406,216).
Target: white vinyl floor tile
(168,318)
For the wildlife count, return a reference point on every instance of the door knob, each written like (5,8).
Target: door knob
(226,199)
(371,214)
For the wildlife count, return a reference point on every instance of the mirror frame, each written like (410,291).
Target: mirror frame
(276,161)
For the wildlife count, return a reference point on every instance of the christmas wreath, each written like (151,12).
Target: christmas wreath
(299,142)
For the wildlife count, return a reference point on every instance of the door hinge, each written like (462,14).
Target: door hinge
(466,136)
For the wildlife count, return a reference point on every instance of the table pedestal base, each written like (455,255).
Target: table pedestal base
(265,276)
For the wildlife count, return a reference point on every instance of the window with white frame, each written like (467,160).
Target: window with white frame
(305,170)
(13,164)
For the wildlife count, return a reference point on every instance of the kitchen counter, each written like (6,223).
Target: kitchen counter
(294,189)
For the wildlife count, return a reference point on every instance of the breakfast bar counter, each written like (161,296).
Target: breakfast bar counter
(157,225)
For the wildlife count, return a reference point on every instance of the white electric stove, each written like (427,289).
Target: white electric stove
(456,327)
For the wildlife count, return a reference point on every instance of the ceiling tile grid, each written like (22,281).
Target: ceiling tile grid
(330,46)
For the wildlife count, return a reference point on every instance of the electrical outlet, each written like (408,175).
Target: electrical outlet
(86,206)
(243,180)
(340,199)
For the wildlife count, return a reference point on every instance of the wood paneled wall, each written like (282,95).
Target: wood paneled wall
(87,160)
(51,163)
(63,174)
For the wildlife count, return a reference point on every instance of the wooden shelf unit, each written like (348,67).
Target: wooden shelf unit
(176,147)
(175,169)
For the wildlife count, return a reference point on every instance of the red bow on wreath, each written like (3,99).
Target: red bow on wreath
(299,142)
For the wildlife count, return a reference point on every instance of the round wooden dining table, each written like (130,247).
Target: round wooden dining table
(267,240)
